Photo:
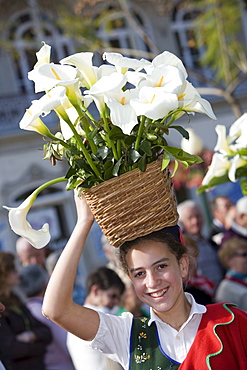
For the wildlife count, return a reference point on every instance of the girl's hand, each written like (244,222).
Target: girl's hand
(84,212)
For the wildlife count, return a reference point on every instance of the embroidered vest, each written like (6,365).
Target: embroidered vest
(146,352)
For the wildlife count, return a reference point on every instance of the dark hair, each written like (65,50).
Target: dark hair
(162,236)
(7,264)
(105,279)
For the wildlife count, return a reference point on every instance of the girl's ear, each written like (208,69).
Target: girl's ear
(184,265)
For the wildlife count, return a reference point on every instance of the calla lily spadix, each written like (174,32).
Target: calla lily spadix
(49,75)
(20,225)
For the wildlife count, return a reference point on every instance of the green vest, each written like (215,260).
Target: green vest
(146,352)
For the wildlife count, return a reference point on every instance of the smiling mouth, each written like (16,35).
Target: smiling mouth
(158,294)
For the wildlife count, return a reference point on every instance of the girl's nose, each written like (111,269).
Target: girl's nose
(152,281)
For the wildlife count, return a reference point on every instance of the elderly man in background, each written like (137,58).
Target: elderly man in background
(238,227)
(219,207)
(191,221)
(28,255)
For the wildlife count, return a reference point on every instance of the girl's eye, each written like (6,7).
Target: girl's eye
(162,266)
(138,274)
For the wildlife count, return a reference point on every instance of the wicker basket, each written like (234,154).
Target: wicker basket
(134,204)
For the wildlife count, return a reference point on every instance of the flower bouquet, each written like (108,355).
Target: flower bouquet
(229,162)
(112,120)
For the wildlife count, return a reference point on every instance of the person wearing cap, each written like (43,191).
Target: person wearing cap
(180,333)
(238,226)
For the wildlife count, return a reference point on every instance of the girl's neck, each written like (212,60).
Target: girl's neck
(176,316)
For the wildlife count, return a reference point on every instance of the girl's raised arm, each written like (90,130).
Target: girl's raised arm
(58,304)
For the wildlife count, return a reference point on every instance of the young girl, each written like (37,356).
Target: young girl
(179,334)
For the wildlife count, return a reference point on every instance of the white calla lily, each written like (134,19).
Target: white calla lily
(218,167)
(222,144)
(123,64)
(191,101)
(154,103)
(31,121)
(43,55)
(107,84)
(194,144)
(238,132)
(236,162)
(20,225)
(49,75)
(167,58)
(122,114)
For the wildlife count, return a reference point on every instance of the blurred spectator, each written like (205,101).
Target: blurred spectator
(191,220)
(219,206)
(2,308)
(233,288)
(105,289)
(199,286)
(238,225)
(33,281)
(23,338)
(27,254)
(79,293)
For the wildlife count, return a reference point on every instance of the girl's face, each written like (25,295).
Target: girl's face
(157,276)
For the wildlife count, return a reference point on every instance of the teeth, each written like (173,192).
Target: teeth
(158,294)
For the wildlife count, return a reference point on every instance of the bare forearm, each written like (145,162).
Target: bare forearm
(58,297)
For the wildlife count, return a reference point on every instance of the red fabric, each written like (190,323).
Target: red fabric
(221,340)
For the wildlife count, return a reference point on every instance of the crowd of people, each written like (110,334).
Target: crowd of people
(200,270)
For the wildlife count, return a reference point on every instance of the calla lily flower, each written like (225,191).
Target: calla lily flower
(154,103)
(122,114)
(43,55)
(194,144)
(105,85)
(167,58)
(169,78)
(191,101)
(219,167)
(238,132)
(49,75)
(123,64)
(20,225)
(89,74)
(31,121)
(222,144)
(236,162)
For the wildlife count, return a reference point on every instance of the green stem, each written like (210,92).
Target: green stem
(140,132)
(47,184)
(110,142)
(86,127)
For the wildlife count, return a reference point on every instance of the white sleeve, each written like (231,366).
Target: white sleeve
(113,337)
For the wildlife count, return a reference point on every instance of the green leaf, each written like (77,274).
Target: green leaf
(102,152)
(142,163)
(166,160)
(243,185)
(92,134)
(214,182)
(129,140)
(134,155)
(175,168)
(182,131)
(117,167)
(116,133)
(145,146)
